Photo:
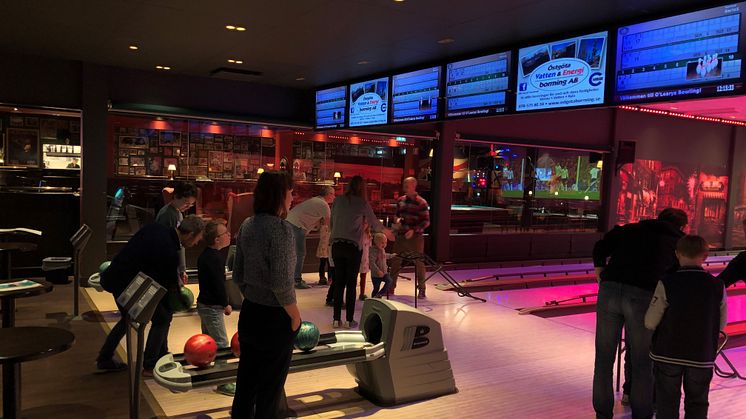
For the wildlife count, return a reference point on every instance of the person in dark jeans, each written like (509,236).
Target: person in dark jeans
(348,213)
(688,311)
(153,250)
(270,318)
(736,269)
(629,261)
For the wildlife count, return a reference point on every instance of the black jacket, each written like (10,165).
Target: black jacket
(211,273)
(639,254)
(154,251)
(689,308)
(735,271)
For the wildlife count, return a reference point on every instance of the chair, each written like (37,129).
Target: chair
(240,207)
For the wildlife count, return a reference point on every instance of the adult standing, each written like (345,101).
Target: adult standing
(736,269)
(171,215)
(348,214)
(305,217)
(413,214)
(270,318)
(638,256)
(154,251)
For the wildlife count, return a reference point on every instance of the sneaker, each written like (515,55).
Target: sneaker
(352,324)
(625,399)
(110,365)
(336,324)
(301,285)
(329,303)
(323,281)
(227,389)
(363,297)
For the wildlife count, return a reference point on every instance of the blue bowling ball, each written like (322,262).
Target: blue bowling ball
(307,337)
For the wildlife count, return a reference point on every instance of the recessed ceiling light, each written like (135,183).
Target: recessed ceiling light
(230,27)
(398,1)
(159,67)
(231,61)
(240,28)
(15,109)
(674,107)
(163,67)
(134,47)
(301,78)
(733,117)
(363,62)
(446,41)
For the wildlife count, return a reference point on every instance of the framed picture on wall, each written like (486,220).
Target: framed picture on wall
(167,151)
(124,161)
(170,138)
(16,121)
(31,122)
(23,147)
(201,161)
(154,166)
(140,171)
(137,161)
(131,141)
(216,161)
(123,170)
(48,129)
(123,152)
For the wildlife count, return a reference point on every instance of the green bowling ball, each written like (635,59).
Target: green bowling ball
(307,337)
(104,266)
(181,300)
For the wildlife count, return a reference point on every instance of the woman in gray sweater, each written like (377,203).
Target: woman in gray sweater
(348,213)
(270,319)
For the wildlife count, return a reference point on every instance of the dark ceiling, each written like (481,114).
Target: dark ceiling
(320,40)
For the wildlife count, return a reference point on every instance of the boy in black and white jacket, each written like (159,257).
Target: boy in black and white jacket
(687,312)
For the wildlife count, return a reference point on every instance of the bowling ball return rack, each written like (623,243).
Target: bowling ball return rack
(334,349)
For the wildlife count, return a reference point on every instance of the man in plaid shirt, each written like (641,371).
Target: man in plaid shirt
(413,215)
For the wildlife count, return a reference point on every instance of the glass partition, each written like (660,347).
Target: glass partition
(502,188)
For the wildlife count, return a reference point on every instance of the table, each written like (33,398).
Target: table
(23,344)
(8,300)
(9,247)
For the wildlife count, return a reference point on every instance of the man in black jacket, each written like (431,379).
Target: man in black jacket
(629,261)
(736,269)
(153,250)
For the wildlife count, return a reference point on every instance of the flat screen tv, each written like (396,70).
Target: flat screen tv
(414,95)
(696,54)
(562,74)
(330,107)
(478,86)
(369,101)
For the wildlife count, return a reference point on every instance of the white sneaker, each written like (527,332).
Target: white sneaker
(336,324)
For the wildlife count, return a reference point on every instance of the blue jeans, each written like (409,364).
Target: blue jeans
(300,252)
(622,306)
(668,380)
(386,280)
(212,319)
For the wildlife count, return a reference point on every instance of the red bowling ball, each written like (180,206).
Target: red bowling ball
(235,346)
(200,350)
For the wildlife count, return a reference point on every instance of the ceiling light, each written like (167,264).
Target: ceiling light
(301,78)
(674,107)
(230,27)
(240,28)
(134,47)
(15,109)
(398,1)
(239,62)
(231,61)
(446,41)
(363,62)
(159,67)
(733,117)
(166,67)
(163,67)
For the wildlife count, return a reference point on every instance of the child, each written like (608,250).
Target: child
(212,302)
(322,252)
(364,268)
(378,267)
(687,312)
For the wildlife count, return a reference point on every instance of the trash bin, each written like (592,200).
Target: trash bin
(57,270)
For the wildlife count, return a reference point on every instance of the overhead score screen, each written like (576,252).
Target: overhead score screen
(414,96)
(560,74)
(330,107)
(477,86)
(369,102)
(689,55)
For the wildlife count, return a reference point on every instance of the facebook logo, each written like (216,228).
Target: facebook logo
(523,87)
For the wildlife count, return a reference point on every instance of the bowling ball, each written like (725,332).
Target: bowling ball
(235,346)
(307,337)
(200,350)
(181,300)
(104,266)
